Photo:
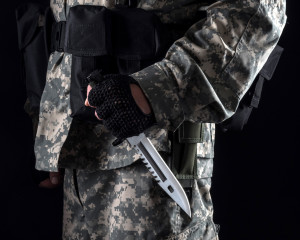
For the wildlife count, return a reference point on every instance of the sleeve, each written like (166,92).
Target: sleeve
(205,73)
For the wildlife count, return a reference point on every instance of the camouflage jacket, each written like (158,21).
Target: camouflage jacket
(202,78)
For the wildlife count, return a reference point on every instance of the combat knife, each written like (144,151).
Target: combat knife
(160,170)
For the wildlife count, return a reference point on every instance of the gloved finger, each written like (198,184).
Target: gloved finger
(89,88)
(95,77)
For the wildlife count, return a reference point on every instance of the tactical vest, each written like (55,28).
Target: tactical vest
(123,40)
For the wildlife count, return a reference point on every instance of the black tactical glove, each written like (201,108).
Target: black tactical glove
(111,95)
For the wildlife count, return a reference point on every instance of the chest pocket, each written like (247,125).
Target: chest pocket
(192,151)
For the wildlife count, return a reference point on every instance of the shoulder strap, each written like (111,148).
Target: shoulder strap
(253,95)
(266,73)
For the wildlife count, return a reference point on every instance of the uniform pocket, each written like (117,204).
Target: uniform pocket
(200,231)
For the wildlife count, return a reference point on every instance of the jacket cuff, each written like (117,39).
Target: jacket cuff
(162,95)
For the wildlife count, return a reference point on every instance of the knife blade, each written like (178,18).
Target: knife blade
(160,170)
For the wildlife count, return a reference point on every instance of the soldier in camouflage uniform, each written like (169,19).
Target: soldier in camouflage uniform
(108,192)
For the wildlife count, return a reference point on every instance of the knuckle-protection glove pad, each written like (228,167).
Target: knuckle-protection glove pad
(115,105)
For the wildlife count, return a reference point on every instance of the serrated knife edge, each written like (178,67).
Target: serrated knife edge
(160,170)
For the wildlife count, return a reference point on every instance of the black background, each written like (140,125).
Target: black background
(256,172)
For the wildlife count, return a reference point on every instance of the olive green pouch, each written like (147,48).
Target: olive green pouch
(184,150)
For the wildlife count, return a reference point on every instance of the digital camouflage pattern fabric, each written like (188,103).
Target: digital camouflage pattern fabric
(206,73)
(54,108)
(127,203)
(202,78)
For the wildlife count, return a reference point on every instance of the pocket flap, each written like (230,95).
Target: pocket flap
(190,132)
(88,31)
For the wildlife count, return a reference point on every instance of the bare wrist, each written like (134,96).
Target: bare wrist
(140,98)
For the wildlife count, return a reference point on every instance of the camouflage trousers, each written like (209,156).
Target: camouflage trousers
(126,203)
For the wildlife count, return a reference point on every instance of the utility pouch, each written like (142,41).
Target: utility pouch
(139,39)
(88,31)
(252,97)
(122,40)
(192,152)
(184,150)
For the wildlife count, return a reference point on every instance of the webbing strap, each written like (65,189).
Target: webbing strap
(58,36)
(270,66)
(266,73)
(257,92)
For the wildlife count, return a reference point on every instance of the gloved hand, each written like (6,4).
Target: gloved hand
(116,102)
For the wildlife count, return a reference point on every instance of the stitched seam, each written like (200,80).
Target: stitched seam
(186,232)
